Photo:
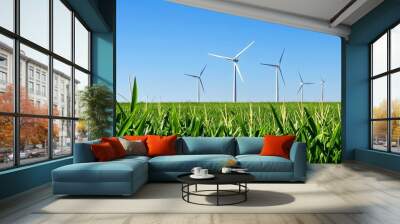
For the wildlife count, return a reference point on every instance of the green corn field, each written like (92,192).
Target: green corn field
(316,124)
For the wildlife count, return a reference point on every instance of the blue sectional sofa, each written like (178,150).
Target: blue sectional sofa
(125,176)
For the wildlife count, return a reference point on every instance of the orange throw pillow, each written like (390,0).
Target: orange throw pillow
(103,152)
(161,145)
(116,145)
(277,145)
(142,138)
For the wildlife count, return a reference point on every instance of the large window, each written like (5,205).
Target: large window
(44,64)
(385,93)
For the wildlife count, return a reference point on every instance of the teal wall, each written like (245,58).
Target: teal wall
(99,16)
(355,74)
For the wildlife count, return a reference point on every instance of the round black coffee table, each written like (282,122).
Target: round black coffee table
(238,179)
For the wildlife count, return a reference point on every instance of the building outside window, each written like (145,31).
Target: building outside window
(385,96)
(34,74)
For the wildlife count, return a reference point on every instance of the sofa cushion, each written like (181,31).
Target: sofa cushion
(277,145)
(257,163)
(248,145)
(116,145)
(207,145)
(112,171)
(185,163)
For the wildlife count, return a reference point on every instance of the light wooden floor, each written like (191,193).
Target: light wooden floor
(377,188)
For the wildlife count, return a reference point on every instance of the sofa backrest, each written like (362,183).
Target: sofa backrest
(249,145)
(206,145)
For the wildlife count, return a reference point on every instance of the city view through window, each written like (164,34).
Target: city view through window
(40,81)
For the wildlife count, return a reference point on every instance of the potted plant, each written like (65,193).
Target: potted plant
(97,104)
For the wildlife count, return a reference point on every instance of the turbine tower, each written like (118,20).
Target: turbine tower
(236,70)
(301,87)
(278,71)
(199,82)
(322,83)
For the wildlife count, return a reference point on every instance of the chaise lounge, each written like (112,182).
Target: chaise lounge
(125,176)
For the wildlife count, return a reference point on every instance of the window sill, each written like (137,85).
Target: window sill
(30,166)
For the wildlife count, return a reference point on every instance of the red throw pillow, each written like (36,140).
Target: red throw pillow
(116,145)
(103,152)
(161,145)
(277,145)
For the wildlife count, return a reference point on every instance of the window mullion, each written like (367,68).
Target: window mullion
(389,106)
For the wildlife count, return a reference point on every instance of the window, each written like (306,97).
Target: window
(43,113)
(30,87)
(6,73)
(81,45)
(62,29)
(7,14)
(35,21)
(385,97)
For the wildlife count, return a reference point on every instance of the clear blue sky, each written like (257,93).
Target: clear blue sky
(159,41)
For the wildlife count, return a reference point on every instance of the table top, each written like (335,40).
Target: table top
(220,178)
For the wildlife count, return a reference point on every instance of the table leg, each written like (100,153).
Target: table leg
(195,188)
(217,194)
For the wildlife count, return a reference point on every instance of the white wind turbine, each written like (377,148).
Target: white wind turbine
(322,83)
(199,82)
(301,87)
(278,71)
(236,70)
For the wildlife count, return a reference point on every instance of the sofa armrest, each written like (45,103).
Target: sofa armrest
(298,157)
(83,152)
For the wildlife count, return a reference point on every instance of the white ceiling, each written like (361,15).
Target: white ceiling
(318,15)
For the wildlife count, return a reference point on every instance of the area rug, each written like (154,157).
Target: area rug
(166,198)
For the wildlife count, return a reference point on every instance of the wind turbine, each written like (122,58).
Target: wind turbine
(301,86)
(236,70)
(278,71)
(199,81)
(322,83)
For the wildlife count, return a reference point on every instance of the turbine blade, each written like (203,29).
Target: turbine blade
(309,83)
(194,76)
(238,71)
(201,83)
(220,56)
(271,65)
(280,72)
(201,73)
(244,49)
(280,59)
(301,79)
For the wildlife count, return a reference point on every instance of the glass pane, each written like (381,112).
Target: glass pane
(35,21)
(7,14)
(6,142)
(81,45)
(395,47)
(395,94)
(379,135)
(395,138)
(62,138)
(62,89)
(81,81)
(379,97)
(6,74)
(34,97)
(81,131)
(62,29)
(379,55)
(33,139)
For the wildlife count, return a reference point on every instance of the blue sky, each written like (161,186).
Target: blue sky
(159,41)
